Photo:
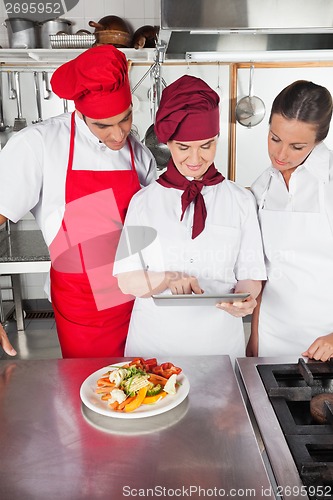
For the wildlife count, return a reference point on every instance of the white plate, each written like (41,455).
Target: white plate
(198,299)
(94,402)
(127,427)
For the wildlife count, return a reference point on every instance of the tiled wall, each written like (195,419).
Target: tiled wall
(136,12)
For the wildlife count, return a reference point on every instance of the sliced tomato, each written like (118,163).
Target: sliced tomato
(144,364)
(136,361)
(166,370)
(150,364)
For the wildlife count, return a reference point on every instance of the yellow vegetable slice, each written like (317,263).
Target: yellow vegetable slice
(137,401)
(149,400)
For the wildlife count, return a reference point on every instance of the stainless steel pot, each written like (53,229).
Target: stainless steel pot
(52,27)
(22,33)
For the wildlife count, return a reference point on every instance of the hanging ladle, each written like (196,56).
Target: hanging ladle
(250,110)
(47,90)
(38,98)
(19,122)
(5,130)
(3,126)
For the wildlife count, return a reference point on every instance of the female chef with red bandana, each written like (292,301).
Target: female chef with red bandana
(207,238)
(77,173)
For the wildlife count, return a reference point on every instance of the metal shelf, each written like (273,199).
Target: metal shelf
(54,57)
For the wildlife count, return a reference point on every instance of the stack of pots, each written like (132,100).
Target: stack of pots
(112,30)
(29,34)
(22,33)
(53,27)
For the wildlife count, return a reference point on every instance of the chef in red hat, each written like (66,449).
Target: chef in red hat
(77,173)
(207,239)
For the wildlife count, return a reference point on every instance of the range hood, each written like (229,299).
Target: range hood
(225,25)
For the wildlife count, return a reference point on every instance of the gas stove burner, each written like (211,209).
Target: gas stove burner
(294,390)
(321,408)
(315,455)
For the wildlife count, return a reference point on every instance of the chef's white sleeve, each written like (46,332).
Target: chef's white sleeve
(21,177)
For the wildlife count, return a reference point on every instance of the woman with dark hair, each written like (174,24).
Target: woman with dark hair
(207,238)
(295,200)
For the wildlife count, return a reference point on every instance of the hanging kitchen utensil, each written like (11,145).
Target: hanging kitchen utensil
(3,127)
(46,85)
(218,87)
(19,122)
(11,85)
(38,98)
(159,150)
(5,130)
(250,110)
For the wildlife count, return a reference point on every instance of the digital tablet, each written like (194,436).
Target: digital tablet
(198,299)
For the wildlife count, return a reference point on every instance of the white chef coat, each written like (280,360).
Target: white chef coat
(228,250)
(33,167)
(297,234)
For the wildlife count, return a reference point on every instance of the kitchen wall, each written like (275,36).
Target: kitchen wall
(137,13)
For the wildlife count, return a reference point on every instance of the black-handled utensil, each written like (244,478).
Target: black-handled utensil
(19,122)
(38,98)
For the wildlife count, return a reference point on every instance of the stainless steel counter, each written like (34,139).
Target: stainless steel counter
(23,246)
(52,446)
(21,252)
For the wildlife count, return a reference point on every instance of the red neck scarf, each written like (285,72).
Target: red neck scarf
(172,178)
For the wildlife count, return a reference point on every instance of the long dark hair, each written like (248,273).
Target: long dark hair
(307,102)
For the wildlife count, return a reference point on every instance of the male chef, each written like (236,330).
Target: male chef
(77,173)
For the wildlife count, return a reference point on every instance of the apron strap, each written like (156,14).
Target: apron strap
(131,153)
(71,143)
(70,162)
(263,197)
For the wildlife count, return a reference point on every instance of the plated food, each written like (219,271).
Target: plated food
(138,388)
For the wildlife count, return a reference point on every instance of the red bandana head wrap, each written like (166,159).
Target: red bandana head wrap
(172,178)
(97,82)
(188,111)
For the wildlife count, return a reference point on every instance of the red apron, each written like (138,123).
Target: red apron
(91,313)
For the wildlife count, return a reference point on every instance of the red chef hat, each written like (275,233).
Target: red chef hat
(188,111)
(97,82)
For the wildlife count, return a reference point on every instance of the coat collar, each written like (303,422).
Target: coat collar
(317,164)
